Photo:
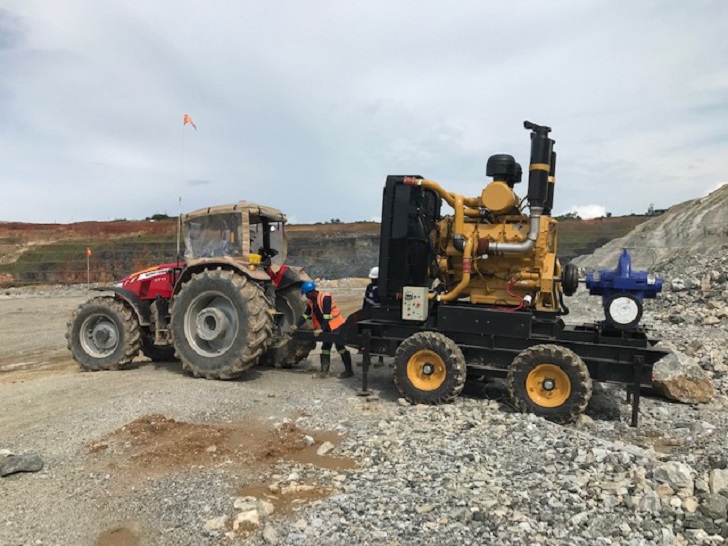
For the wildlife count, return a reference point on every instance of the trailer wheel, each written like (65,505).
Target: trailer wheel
(550,381)
(429,368)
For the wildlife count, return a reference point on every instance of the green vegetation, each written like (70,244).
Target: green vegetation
(116,251)
(568,216)
(111,259)
(159,217)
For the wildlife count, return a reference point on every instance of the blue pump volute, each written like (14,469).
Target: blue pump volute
(623,292)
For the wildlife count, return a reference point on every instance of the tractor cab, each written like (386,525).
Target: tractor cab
(231,304)
(244,232)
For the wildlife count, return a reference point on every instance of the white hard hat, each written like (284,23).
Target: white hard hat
(374,273)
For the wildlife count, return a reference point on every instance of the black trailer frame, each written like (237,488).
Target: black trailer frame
(490,339)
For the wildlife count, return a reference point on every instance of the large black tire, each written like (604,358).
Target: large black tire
(221,324)
(103,334)
(287,350)
(550,381)
(429,368)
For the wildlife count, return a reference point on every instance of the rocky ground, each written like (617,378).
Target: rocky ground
(151,456)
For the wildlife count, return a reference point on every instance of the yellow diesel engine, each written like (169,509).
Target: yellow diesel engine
(490,251)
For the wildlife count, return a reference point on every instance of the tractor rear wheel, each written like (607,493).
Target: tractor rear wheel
(221,324)
(103,334)
(429,368)
(550,381)
(287,350)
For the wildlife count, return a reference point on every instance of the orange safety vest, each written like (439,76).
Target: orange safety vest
(335,319)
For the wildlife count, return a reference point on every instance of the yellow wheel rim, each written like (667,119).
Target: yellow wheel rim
(426,370)
(548,386)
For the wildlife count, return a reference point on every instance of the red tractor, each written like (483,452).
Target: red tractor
(228,306)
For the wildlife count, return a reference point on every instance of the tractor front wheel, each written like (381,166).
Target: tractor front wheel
(221,324)
(550,381)
(429,368)
(103,334)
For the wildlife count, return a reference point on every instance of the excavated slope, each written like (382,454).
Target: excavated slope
(692,228)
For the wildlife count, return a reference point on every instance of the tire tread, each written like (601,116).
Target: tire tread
(130,334)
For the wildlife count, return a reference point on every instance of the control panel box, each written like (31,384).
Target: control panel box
(414,303)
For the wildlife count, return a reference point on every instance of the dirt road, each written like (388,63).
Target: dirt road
(146,455)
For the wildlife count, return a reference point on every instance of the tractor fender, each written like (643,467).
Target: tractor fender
(292,276)
(253,272)
(129,297)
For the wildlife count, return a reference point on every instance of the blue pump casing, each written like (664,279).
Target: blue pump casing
(641,284)
(623,283)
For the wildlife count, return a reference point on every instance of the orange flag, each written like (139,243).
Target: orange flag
(187,119)
(88,251)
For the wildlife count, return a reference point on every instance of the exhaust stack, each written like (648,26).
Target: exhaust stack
(540,168)
(540,191)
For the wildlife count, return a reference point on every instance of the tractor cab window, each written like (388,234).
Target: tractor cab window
(266,239)
(213,236)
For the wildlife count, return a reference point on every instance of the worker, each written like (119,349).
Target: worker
(371,298)
(326,317)
(371,294)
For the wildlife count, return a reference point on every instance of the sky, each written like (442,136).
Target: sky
(308,106)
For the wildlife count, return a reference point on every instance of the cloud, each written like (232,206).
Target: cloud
(308,107)
(716,187)
(587,211)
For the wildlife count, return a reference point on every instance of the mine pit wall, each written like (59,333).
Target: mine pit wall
(56,254)
(334,255)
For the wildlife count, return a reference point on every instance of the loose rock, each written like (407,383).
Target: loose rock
(11,464)
(679,377)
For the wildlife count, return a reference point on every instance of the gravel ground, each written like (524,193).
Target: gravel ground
(474,472)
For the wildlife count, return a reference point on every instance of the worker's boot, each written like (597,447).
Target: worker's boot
(348,372)
(325,365)
(380,362)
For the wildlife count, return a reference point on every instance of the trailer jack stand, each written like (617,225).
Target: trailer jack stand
(633,391)
(366,338)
